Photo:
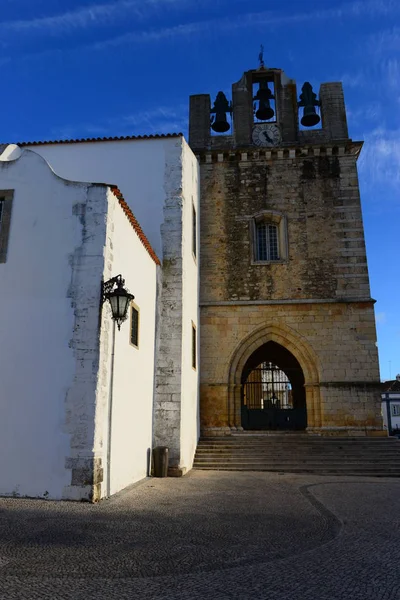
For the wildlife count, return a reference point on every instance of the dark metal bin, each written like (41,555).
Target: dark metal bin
(160,461)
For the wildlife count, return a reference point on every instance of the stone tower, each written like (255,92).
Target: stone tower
(288,336)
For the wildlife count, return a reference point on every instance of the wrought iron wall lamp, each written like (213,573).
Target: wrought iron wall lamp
(119,297)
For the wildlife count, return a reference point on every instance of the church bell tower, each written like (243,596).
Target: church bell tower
(288,338)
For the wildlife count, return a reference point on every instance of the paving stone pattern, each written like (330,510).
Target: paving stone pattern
(209,535)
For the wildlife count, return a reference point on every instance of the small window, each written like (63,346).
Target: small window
(134,326)
(267,242)
(268,231)
(6,198)
(395,410)
(194,232)
(194,347)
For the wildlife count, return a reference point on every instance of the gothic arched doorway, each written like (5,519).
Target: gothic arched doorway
(273,393)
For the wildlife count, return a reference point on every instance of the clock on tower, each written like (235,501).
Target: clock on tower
(266,134)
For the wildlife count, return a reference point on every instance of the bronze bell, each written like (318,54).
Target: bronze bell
(309,100)
(221,106)
(264,95)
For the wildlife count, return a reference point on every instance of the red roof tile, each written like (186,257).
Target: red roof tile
(135,223)
(103,139)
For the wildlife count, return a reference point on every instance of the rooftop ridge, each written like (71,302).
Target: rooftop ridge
(392,385)
(102,139)
(134,222)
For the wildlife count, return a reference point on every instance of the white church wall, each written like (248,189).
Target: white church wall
(138,167)
(190,309)
(87,264)
(150,175)
(46,328)
(133,382)
(167,398)
(176,397)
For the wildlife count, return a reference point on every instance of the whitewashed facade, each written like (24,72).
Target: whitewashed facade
(391,406)
(65,237)
(55,364)
(391,413)
(147,171)
(159,178)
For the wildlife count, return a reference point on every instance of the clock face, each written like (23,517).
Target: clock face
(266,134)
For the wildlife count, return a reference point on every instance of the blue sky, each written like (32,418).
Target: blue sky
(81,68)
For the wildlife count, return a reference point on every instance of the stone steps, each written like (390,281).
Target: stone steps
(354,473)
(367,452)
(298,459)
(379,457)
(377,453)
(232,440)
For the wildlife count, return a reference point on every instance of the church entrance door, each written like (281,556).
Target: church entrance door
(273,394)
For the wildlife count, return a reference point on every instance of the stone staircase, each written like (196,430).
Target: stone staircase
(300,453)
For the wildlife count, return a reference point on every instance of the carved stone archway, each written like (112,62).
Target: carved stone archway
(301,350)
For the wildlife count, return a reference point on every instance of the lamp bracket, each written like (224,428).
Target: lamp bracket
(108,286)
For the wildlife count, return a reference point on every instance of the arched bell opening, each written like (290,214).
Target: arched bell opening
(273,392)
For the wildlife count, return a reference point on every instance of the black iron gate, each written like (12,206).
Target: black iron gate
(269,401)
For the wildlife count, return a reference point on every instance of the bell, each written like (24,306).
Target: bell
(221,106)
(220,123)
(264,95)
(310,117)
(309,100)
(265,112)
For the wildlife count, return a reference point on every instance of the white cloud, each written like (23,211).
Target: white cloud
(105,13)
(380,317)
(357,79)
(372,112)
(132,11)
(380,159)
(162,119)
(153,35)
(391,74)
(96,14)
(385,70)
(264,19)
(378,91)
(386,41)
(354,80)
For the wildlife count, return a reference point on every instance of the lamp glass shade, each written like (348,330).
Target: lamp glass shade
(119,300)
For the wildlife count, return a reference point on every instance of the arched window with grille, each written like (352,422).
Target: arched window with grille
(268,232)
(267,241)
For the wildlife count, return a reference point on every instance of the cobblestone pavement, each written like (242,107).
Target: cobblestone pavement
(214,535)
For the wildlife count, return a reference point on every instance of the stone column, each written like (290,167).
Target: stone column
(333,111)
(199,122)
(242,97)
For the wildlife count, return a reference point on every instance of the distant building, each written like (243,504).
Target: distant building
(391,405)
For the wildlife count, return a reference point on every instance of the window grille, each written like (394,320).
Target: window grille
(395,410)
(194,232)
(6,200)
(134,326)
(194,351)
(267,241)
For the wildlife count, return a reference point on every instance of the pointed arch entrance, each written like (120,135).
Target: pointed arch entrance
(279,349)
(273,394)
